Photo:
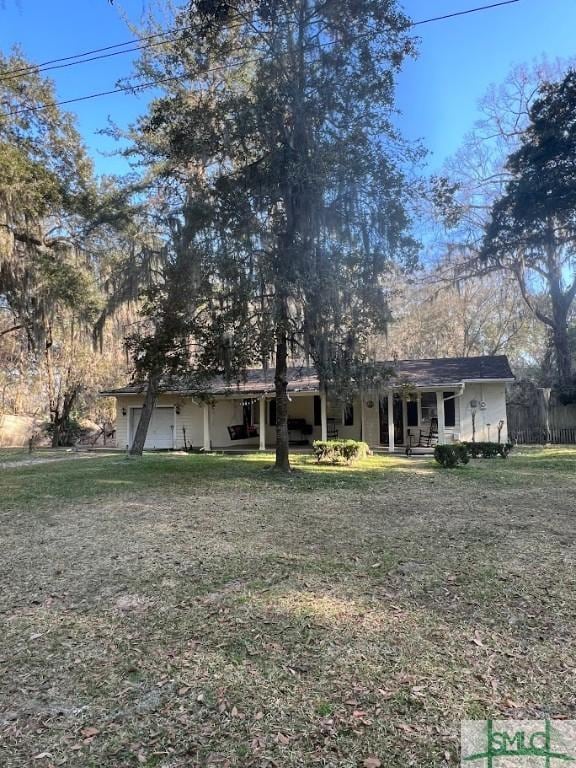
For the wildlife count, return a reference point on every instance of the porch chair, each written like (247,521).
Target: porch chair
(429,438)
(426,438)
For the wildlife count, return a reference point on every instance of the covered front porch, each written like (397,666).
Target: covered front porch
(391,420)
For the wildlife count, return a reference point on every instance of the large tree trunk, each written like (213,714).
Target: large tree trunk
(561,300)
(281,381)
(563,356)
(137,446)
(60,433)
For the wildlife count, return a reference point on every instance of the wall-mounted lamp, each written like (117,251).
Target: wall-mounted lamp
(177,407)
(124,411)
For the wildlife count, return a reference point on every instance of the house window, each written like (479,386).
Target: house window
(272,412)
(317,411)
(348,415)
(449,409)
(428,406)
(412,413)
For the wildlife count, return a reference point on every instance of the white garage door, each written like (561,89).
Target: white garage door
(160,431)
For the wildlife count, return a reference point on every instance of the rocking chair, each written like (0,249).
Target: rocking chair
(429,438)
(426,438)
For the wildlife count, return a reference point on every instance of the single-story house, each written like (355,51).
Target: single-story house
(422,403)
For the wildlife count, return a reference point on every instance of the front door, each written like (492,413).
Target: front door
(398,420)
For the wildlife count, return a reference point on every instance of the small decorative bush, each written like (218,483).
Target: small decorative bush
(487,450)
(70,431)
(338,451)
(449,456)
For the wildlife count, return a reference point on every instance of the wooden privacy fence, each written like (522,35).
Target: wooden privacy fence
(543,435)
(15,431)
(537,420)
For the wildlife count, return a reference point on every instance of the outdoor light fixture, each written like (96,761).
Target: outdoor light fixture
(369,403)
(177,407)
(123,411)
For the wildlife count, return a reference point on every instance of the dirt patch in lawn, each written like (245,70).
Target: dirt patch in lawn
(244,622)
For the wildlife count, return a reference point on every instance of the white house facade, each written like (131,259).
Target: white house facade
(422,403)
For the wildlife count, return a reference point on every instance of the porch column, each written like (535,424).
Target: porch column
(262,446)
(323,416)
(128,428)
(441,419)
(390,421)
(207,443)
(405,419)
(362,418)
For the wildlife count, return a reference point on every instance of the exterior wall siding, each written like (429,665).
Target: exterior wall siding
(494,395)
(226,412)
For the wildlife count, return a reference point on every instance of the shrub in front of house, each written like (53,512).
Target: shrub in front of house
(486,450)
(339,451)
(449,456)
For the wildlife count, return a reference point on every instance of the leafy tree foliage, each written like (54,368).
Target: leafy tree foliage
(478,316)
(279,117)
(532,232)
(71,252)
(469,188)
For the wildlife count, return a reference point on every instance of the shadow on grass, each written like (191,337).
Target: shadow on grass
(178,473)
(62,481)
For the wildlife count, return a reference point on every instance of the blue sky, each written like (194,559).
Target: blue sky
(437,93)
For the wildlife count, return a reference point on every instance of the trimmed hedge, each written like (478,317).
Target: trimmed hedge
(449,456)
(488,450)
(336,451)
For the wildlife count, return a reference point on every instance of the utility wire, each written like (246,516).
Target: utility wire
(151,84)
(54,63)
(15,73)
(464,13)
(71,62)
(37,67)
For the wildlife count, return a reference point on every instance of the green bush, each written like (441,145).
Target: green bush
(487,450)
(70,431)
(337,451)
(450,456)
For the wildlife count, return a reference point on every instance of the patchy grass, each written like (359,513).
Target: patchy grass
(202,611)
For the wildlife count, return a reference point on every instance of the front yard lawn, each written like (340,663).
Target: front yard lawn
(180,611)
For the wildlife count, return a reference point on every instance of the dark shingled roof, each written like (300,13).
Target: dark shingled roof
(420,373)
(452,370)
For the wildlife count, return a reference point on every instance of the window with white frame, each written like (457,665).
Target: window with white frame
(428,406)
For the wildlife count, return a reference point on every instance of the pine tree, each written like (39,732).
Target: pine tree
(287,106)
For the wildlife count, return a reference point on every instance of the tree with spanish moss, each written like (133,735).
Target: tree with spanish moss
(288,109)
(71,248)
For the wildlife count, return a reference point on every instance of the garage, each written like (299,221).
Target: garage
(160,431)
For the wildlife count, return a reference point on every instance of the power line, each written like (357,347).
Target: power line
(464,13)
(71,61)
(36,69)
(43,64)
(152,84)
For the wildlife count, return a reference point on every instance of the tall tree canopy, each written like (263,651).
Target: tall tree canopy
(71,247)
(532,232)
(278,114)
(45,182)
